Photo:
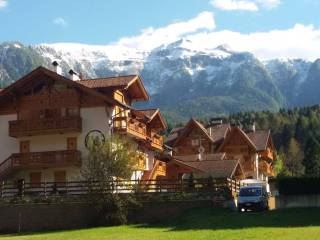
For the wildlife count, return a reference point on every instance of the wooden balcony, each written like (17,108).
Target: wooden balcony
(20,128)
(265,168)
(267,154)
(131,126)
(156,140)
(33,160)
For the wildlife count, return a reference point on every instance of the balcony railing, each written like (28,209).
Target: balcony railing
(130,126)
(156,140)
(40,159)
(267,154)
(20,128)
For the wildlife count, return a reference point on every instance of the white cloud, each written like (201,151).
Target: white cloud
(269,3)
(151,38)
(3,4)
(300,41)
(59,21)
(245,5)
(234,5)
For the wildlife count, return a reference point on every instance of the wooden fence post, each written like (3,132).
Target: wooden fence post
(2,189)
(22,188)
(45,189)
(66,188)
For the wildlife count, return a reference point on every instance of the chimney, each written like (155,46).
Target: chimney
(215,122)
(253,127)
(73,75)
(56,67)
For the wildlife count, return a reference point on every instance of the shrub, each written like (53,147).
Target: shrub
(298,185)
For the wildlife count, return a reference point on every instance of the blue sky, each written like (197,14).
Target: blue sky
(111,21)
(104,21)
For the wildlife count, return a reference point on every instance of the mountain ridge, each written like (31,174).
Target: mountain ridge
(183,79)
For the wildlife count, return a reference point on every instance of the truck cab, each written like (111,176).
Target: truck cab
(253,198)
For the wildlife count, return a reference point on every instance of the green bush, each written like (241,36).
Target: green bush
(298,185)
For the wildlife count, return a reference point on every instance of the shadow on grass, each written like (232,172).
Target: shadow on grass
(214,219)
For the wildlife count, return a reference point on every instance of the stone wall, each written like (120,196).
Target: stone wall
(287,201)
(54,216)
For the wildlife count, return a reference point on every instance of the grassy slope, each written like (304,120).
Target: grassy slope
(207,224)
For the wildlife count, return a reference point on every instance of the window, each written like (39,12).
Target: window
(24,146)
(35,179)
(72,112)
(71,143)
(49,113)
(195,142)
(60,178)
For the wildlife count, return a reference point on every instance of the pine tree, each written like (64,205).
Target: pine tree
(312,157)
(294,158)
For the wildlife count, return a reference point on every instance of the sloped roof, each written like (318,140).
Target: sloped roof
(216,169)
(119,82)
(184,164)
(173,135)
(260,138)
(205,157)
(188,128)
(242,133)
(150,114)
(22,82)
(219,132)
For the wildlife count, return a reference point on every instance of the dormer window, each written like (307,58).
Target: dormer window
(194,142)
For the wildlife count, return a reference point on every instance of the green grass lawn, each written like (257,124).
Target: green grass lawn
(205,224)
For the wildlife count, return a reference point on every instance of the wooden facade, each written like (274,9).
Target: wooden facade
(193,140)
(254,150)
(45,105)
(44,126)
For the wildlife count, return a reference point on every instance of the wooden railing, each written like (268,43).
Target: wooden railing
(8,190)
(130,126)
(156,140)
(235,185)
(19,128)
(267,154)
(40,159)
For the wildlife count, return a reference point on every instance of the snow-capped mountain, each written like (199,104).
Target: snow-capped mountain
(183,78)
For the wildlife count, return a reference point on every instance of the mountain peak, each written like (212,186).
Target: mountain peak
(225,48)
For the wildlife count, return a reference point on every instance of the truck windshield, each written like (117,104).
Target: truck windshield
(250,192)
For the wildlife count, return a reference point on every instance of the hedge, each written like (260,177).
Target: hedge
(298,186)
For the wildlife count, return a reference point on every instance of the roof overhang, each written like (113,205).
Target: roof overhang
(18,86)
(187,129)
(136,89)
